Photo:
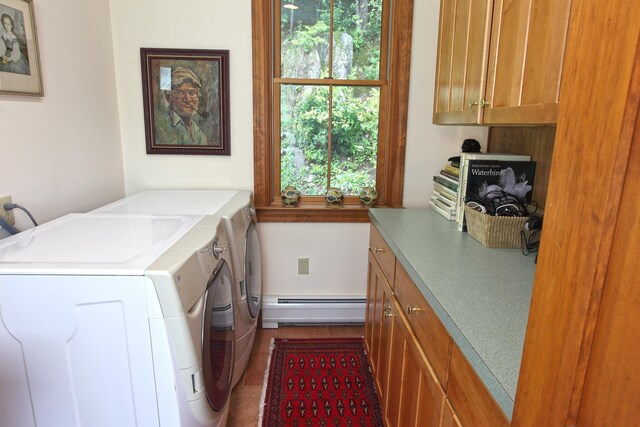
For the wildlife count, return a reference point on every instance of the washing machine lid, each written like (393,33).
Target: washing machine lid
(172,202)
(93,244)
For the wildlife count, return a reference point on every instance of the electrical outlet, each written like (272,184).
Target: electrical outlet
(7,215)
(303,265)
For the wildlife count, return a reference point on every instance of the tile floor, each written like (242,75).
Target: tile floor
(244,408)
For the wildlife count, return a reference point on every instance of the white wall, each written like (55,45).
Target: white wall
(337,252)
(337,258)
(428,146)
(61,153)
(188,24)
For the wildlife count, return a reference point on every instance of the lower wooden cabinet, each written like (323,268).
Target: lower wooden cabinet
(383,254)
(376,337)
(424,322)
(386,343)
(393,374)
(422,377)
(414,395)
(372,322)
(408,389)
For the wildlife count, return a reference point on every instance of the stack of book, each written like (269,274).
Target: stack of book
(445,191)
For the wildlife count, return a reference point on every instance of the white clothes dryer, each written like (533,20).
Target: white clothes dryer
(236,210)
(239,218)
(120,320)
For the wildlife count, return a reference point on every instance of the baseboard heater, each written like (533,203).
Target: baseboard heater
(309,310)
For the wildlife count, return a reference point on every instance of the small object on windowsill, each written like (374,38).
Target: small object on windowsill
(368,197)
(290,196)
(334,197)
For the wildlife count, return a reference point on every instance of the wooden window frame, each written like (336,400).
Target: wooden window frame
(390,174)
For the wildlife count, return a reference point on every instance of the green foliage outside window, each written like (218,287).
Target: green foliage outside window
(304,115)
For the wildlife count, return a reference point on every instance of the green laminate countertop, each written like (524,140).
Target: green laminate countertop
(481,295)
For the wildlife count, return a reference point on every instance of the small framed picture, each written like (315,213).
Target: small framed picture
(20,72)
(186,101)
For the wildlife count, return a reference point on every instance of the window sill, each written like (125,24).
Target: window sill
(313,213)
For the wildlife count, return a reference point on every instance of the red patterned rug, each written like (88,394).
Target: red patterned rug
(320,382)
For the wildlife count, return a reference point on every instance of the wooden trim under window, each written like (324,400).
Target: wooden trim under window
(391,186)
(313,213)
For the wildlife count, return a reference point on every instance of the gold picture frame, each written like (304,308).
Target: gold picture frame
(20,71)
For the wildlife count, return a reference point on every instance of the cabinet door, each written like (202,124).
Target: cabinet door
(463,45)
(413,395)
(373,324)
(386,342)
(422,395)
(395,359)
(377,331)
(528,41)
(369,330)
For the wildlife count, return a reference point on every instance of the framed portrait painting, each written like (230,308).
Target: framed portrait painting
(186,101)
(20,72)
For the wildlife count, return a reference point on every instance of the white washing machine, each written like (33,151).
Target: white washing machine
(235,207)
(116,320)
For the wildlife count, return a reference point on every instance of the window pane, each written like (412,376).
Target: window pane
(304,119)
(304,33)
(354,138)
(356,39)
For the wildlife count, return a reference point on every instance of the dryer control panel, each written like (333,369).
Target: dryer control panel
(207,258)
(209,254)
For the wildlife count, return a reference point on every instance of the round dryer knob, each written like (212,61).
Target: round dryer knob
(217,250)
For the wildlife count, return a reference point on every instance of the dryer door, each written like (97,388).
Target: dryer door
(253,269)
(218,337)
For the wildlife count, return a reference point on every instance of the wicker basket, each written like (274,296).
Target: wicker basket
(494,231)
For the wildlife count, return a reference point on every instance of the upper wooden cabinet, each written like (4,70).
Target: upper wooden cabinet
(463,46)
(500,61)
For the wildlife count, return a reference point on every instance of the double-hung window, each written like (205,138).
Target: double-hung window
(330,96)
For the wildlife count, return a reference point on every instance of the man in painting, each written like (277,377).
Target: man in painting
(178,127)
(11,59)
